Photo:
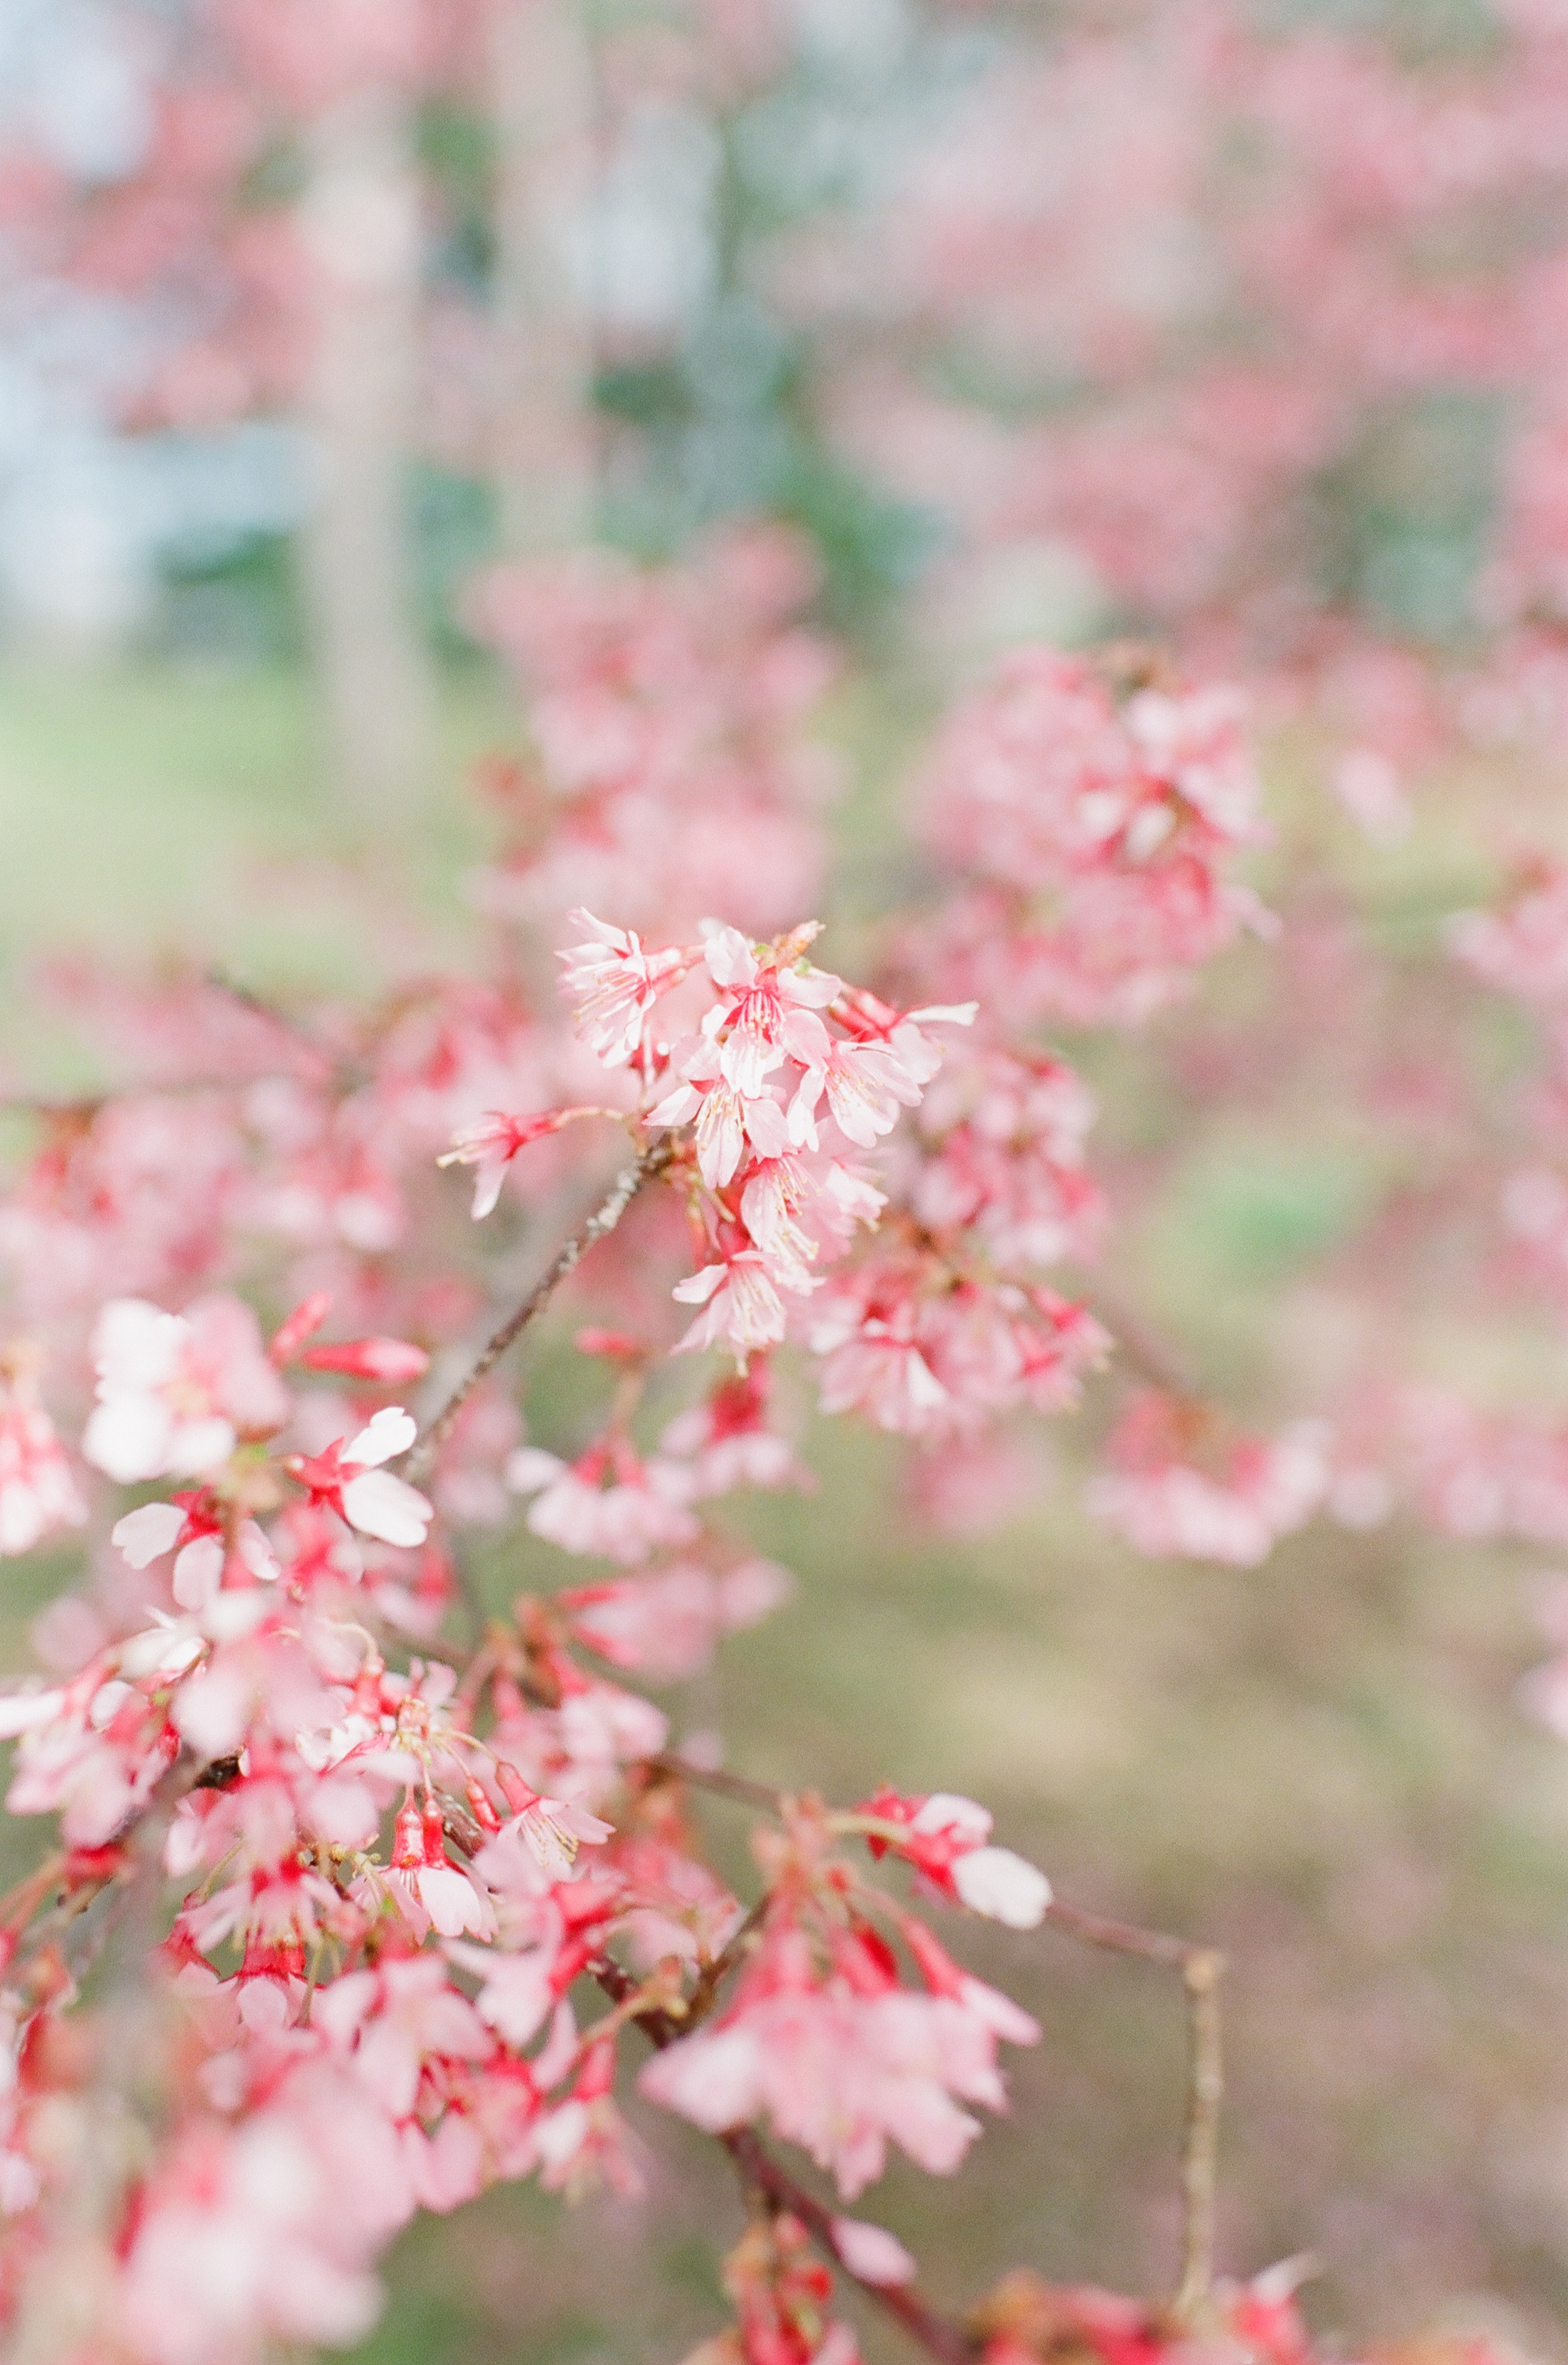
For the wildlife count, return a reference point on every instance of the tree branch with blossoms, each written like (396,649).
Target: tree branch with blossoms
(1200,1969)
(404,1879)
(254,1736)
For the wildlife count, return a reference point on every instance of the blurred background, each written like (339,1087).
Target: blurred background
(1236,326)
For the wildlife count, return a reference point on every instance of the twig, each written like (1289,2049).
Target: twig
(627,1183)
(1200,2150)
(83,1106)
(1202,1969)
(761,2172)
(935,2334)
(1121,1938)
(1148,1354)
(723,1785)
(712,1976)
(246,998)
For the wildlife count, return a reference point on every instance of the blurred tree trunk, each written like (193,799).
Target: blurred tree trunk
(541,87)
(361,216)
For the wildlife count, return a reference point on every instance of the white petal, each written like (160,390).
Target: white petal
(390,1431)
(23,1711)
(146,1535)
(135,1343)
(530,1468)
(197,1446)
(870,2253)
(999,1884)
(380,1505)
(946,1811)
(488,1176)
(128,1439)
(698,1287)
(729,959)
(199,1571)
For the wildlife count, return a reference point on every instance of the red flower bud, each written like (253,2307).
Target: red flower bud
(390,1360)
(306,1316)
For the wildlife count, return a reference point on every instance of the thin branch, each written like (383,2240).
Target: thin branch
(1121,1938)
(1156,1362)
(246,998)
(947,2342)
(935,2334)
(1200,2151)
(1202,1969)
(628,1183)
(723,1785)
(712,1976)
(86,1105)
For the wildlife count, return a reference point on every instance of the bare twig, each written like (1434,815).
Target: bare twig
(712,1976)
(84,1106)
(722,1785)
(1200,2152)
(246,998)
(1150,1355)
(1202,1969)
(1121,1938)
(628,1183)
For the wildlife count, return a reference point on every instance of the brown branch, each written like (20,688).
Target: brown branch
(723,1785)
(935,2334)
(1121,1938)
(1200,2150)
(762,2174)
(712,1975)
(83,1106)
(1161,1364)
(246,998)
(1202,1969)
(628,1183)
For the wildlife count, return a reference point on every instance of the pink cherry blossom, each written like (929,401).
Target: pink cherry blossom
(490,1146)
(610,1500)
(176,1392)
(1232,1509)
(614,984)
(667,1625)
(37,1493)
(349,1476)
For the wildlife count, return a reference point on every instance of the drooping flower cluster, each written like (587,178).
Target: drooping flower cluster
(786,1079)
(1093,837)
(396,1871)
(1176,1485)
(399,2016)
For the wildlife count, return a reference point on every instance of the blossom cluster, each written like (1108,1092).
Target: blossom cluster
(402,1877)
(669,774)
(1094,835)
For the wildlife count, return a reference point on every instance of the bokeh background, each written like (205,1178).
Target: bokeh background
(1000,309)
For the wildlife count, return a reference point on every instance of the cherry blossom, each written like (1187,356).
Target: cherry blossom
(37,1492)
(948,1840)
(614,984)
(490,1146)
(349,1476)
(609,1501)
(176,1392)
(1173,1489)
